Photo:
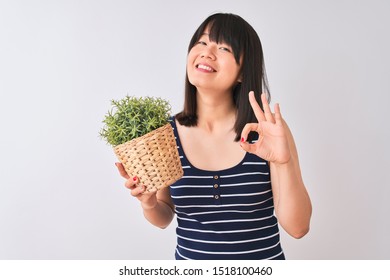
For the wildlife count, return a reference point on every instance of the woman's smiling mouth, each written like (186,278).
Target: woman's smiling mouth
(205,68)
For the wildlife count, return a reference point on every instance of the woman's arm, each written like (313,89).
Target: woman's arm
(292,203)
(276,145)
(161,214)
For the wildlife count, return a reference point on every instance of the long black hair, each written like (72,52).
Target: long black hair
(234,31)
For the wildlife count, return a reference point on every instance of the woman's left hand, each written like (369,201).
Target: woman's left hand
(272,144)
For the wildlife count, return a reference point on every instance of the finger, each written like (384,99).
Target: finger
(267,110)
(250,148)
(248,128)
(256,107)
(122,170)
(138,190)
(152,190)
(131,183)
(278,115)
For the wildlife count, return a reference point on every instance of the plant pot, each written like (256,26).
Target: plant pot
(153,158)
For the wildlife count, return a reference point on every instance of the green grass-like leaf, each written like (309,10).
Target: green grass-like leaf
(132,117)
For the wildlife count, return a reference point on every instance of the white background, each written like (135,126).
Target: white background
(61,62)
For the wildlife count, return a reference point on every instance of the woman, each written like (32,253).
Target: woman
(241,172)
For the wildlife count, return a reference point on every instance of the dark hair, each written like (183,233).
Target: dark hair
(242,38)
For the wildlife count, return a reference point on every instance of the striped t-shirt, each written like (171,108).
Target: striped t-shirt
(226,214)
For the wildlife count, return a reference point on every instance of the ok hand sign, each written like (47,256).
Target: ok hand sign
(272,144)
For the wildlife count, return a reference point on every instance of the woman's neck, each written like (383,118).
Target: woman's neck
(215,111)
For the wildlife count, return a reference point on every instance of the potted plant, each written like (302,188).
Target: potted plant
(139,131)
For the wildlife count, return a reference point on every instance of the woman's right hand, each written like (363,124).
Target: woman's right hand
(137,189)
(160,204)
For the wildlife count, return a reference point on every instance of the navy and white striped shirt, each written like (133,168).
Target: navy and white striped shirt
(226,214)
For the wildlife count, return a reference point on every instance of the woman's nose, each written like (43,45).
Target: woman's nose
(208,52)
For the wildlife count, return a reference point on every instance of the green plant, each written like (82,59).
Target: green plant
(132,117)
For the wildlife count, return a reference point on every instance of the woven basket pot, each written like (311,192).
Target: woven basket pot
(153,158)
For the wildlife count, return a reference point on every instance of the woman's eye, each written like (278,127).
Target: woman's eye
(202,43)
(225,49)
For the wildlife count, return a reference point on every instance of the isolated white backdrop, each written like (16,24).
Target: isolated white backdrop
(61,62)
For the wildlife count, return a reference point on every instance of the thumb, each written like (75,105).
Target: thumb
(250,148)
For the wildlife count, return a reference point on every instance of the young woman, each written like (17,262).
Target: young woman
(241,172)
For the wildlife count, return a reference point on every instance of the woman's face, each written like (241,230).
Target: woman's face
(212,66)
